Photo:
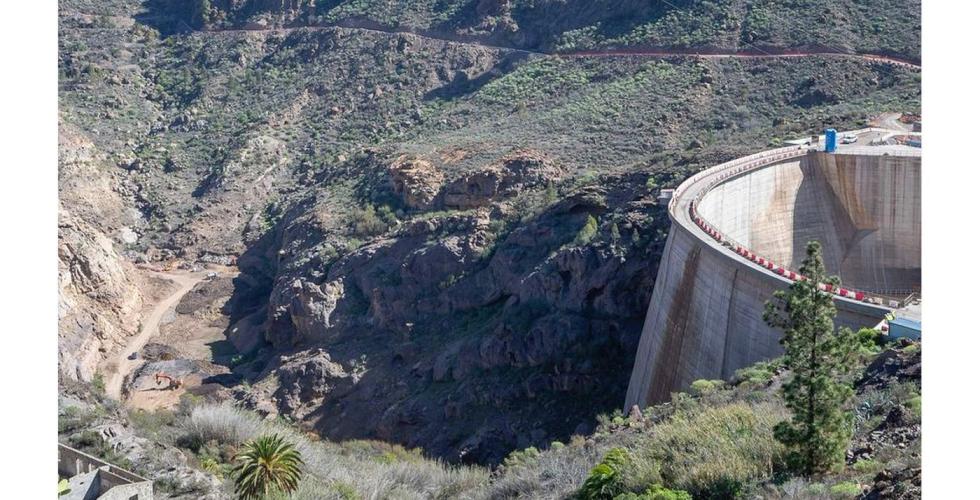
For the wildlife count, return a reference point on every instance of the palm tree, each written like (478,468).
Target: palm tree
(266,464)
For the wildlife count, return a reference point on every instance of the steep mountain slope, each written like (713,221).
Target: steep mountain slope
(443,244)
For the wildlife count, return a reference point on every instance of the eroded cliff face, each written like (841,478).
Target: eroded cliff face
(99,293)
(99,297)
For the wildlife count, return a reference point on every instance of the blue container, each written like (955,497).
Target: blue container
(830,139)
(904,327)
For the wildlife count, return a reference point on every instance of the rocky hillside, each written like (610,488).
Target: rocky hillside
(546,25)
(443,244)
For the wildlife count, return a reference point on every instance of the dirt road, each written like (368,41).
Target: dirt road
(751,53)
(150,327)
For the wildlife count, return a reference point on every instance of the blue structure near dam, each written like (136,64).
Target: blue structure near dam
(905,327)
(830,140)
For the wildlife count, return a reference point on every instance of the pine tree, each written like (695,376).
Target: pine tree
(614,233)
(821,361)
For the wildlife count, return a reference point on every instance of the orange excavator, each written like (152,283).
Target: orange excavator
(172,382)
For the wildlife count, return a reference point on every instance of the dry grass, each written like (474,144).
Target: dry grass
(348,470)
(698,451)
(222,423)
(555,473)
(717,447)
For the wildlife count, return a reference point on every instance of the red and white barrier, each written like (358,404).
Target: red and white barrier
(736,167)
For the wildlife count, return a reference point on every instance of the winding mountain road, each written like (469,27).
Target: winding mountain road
(616,52)
(150,327)
(735,54)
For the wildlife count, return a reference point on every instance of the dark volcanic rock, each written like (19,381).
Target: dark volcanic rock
(453,319)
(905,484)
(893,367)
(306,378)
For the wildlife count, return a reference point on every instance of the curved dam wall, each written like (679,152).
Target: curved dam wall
(705,315)
(864,210)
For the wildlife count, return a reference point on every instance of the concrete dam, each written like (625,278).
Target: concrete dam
(739,231)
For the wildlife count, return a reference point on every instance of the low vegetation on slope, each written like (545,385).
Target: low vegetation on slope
(865,25)
(714,441)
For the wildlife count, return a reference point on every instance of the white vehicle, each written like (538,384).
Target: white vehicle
(848,139)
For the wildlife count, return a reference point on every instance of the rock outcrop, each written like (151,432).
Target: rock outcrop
(306,378)
(416,181)
(99,298)
(518,172)
(416,328)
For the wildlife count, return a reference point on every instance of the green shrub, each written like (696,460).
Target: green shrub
(92,442)
(845,490)
(606,480)
(212,466)
(814,489)
(69,419)
(151,423)
(188,402)
(614,234)
(370,221)
(868,466)
(656,492)
(724,488)
(521,458)
(98,383)
(759,374)
(87,440)
(588,231)
(75,418)
(870,338)
(701,387)
(63,488)
(914,404)
(712,452)
(345,491)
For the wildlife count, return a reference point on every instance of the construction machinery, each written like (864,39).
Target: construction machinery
(173,383)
